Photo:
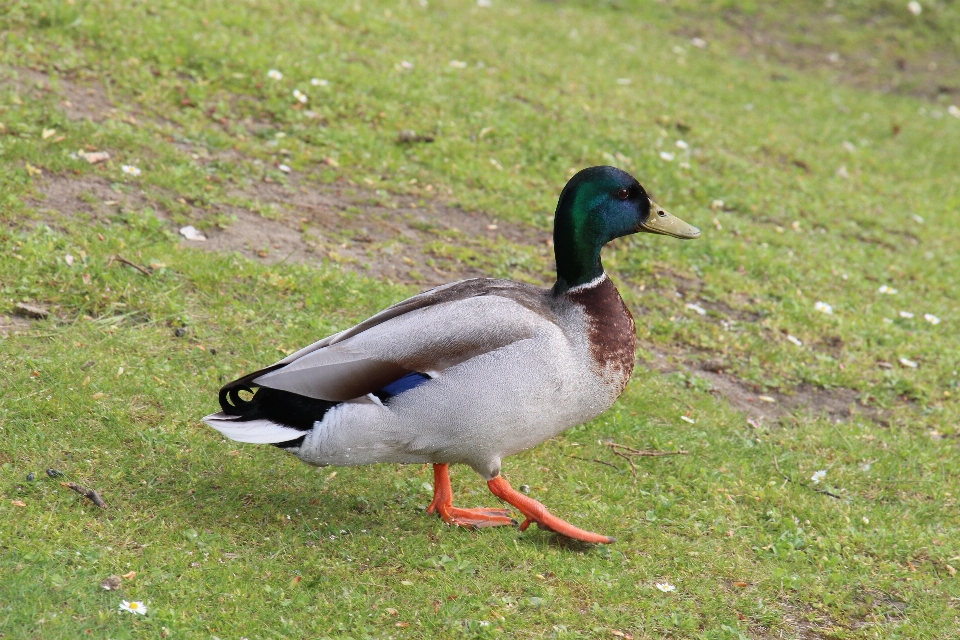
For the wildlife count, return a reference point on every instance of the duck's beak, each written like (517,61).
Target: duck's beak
(659,221)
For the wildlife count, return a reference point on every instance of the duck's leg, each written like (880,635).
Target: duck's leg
(536,512)
(470,518)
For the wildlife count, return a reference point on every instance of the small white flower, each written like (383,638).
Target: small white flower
(404,64)
(699,43)
(130,170)
(273,74)
(887,321)
(917,219)
(697,308)
(284,168)
(910,364)
(887,290)
(318,82)
(849,146)
(69,260)
(300,96)
(818,476)
(682,145)
(866,520)
(717,205)
(842,171)
(134,607)
(823,307)
(906,314)
(954,110)
(932,319)
(484,3)
(624,81)
(667,156)
(914,7)
(458,64)
(795,340)
(666,587)
(688,419)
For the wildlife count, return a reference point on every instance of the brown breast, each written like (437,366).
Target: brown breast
(613,338)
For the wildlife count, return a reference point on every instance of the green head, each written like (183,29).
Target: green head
(597,205)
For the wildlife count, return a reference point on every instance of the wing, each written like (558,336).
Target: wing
(428,332)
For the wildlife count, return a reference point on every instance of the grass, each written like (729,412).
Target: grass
(822,186)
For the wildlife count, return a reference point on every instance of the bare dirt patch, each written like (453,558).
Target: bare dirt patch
(79,100)
(388,237)
(14,325)
(766,405)
(817,41)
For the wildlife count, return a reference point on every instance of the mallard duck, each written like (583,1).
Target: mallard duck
(469,372)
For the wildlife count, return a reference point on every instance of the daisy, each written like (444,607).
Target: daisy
(824,307)
(130,170)
(273,74)
(818,476)
(134,607)
(666,587)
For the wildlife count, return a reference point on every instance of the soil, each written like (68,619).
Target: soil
(14,325)
(388,237)
(79,100)
(883,67)
(766,406)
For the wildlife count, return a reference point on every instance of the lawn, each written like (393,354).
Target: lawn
(803,355)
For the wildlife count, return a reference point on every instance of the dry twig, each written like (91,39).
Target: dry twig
(120,258)
(595,460)
(628,453)
(92,495)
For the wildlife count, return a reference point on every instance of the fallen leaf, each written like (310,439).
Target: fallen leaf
(18,503)
(95,156)
(129,576)
(191,233)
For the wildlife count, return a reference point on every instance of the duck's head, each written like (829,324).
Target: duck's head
(597,205)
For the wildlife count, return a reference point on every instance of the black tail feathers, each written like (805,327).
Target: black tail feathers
(281,407)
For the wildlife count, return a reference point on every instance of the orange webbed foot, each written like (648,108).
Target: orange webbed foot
(470,518)
(536,512)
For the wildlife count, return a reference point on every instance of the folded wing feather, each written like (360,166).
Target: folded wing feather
(427,333)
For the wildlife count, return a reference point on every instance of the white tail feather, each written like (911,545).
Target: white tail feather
(252,431)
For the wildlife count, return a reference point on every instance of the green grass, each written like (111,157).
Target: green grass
(238,541)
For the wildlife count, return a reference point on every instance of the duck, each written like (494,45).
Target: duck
(470,372)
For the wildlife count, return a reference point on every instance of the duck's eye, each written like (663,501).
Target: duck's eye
(623,194)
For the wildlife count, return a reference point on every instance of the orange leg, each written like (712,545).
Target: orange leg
(536,512)
(470,518)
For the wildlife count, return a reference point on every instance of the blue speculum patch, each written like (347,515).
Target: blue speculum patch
(407,382)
